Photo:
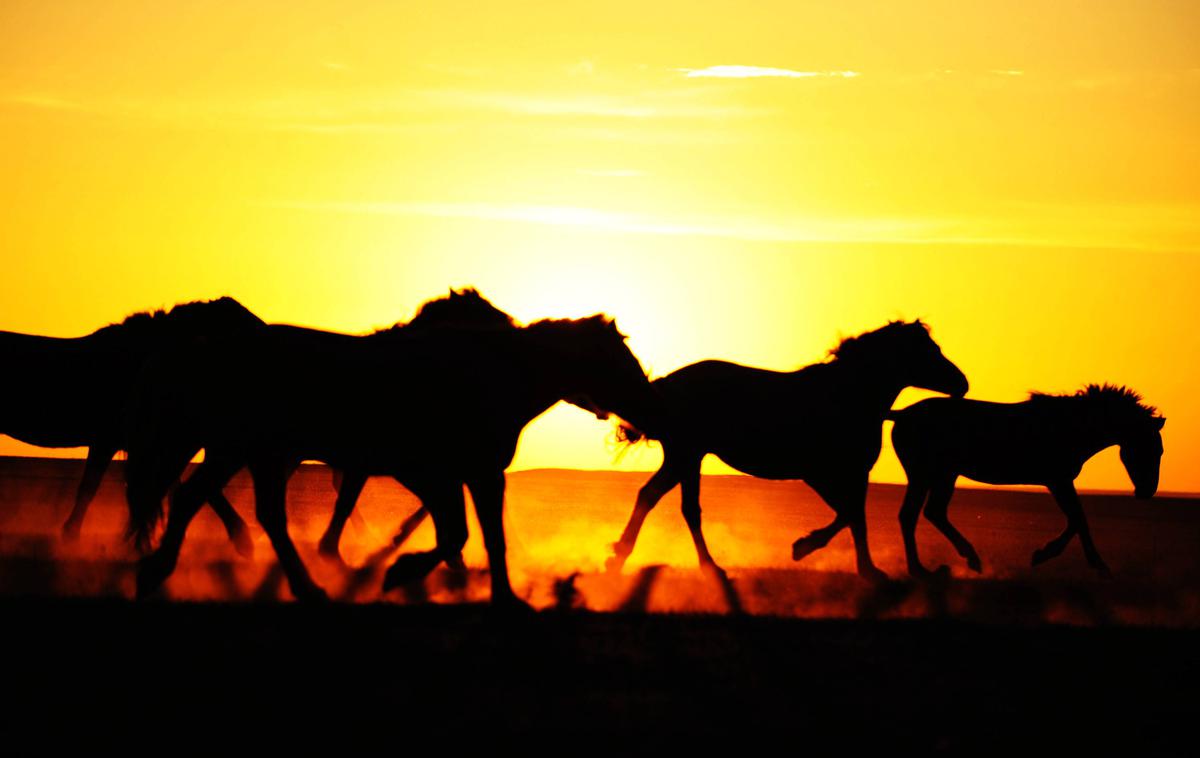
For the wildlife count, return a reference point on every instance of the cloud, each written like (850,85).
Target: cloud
(786,230)
(757,72)
(49,102)
(1007,72)
(611,172)
(657,105)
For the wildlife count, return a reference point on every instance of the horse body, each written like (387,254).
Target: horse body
(772,424)
(437,410)
(1042,441)
(57,390)
(70,392)
(822,423)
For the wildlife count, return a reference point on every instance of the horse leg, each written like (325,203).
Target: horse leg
(409,525)
(186,501)
(349,489)
(690,505)
(935,513)
(856,502)
(270,507)
(449,510)
(817,538)
(848,498)
(1068,501)
(910,511)
(487,491)
(98,458)
(235,526)
(667,476)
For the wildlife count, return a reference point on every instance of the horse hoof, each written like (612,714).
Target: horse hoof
(457,577)
(70,533)
(873,575)
(408,568)
(150,577)
(242,543)
(1104,571)
(975,564)
(311,595)
(614,564)
(803,547)
(511,605)
(330,553)
(1039,556)
(941,572)
(715,571)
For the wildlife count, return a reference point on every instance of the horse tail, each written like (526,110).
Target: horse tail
(628,434)
(155,459)
(144,502)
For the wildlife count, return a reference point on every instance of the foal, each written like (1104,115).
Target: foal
(1044,440)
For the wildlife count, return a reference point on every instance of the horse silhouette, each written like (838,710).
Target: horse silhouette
(436,409)
(69,392)
(822,423)
(1044,440)
(457,309)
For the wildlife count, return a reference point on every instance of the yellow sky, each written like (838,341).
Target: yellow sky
(744,181)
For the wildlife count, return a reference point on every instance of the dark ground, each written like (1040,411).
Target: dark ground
(1018,661)
(97,675)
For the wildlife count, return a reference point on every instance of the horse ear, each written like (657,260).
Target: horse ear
(1158,422)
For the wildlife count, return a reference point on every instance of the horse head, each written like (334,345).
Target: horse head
(906,349)
(604,376)
(1138,431)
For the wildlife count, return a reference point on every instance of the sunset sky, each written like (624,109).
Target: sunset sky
(732,180)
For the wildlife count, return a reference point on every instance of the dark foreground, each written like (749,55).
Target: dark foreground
(167,677)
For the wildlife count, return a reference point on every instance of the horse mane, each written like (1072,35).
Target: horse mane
(146,324)
(460,308)
(566,325)
(1109,397)
(851,348)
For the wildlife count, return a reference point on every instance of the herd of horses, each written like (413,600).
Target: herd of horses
(439,402)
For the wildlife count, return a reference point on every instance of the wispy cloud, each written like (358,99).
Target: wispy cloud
(603,106)
(789,230)
(758,72)
(611,172)
(50,102)
(1007,72)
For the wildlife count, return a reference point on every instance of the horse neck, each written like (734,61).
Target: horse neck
(1095,431)
(877,390)
(547,376)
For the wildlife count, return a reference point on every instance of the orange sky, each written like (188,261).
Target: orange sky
(728,180)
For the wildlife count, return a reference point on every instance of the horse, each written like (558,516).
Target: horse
(458,308)
(822,423)
(67,392)
(1044,440)
(436,409)
(464,308)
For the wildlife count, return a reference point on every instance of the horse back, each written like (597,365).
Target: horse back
(58,392)
(995,443)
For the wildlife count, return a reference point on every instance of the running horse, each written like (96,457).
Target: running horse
(1044,440)
(822,423)
(68,392)
(436,409)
